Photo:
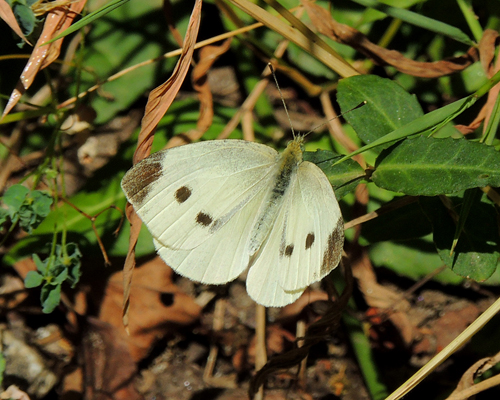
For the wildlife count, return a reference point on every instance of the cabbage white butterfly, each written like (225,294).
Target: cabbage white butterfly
(215,208)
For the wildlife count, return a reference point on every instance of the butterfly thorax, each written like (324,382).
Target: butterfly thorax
(283,174)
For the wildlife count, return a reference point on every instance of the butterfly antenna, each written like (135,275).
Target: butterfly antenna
(338,116)
(282,98)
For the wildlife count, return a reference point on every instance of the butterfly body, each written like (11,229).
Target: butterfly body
(215,208)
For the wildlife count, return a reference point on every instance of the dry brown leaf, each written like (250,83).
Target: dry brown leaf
(467,380)
(109,370)
(161,98)
(42,56)
(308,297)
(156,307)
(8,16)
(208,56)
(14,393)
(159,101)
(326,25)
(381,297)
(487,48)
(275,342)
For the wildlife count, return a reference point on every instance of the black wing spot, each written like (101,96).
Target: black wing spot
(203,219)
(182,194)
(309,240)
(289,250)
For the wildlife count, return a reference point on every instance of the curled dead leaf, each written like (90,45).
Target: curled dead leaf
(341,33)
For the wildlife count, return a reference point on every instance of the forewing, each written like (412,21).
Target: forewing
(186,194)
(313,231)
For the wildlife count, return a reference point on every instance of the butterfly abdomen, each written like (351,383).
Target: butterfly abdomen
(287,166)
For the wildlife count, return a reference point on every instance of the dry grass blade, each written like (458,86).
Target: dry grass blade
(43,55)
(294,35)
(471,330)
(208,55)
(159,101)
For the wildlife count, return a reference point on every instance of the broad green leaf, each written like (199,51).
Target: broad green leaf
(25,17)
(91,203)
(343,177)
(429,166)
(388,106)
(476,255)
(414,259)
(132,33)
(403,223)
(430,122)
(14,198)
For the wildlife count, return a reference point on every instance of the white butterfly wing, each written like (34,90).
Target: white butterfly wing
(224,255)
(186,194)
(305,243)
(263,279)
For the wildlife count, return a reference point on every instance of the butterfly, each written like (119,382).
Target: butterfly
(215,208)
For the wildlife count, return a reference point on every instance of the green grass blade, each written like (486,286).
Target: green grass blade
(419,20)
(471,18)
(107,8)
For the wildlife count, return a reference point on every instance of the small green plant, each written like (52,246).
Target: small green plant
(63,265)
(24,206)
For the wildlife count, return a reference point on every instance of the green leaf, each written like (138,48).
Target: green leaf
(41,203)
(61,277)
(430,122)
(476,255)
(407,222)
(429,166)
(33,279)
(70,258)
(25,17)
(14,198)
(51,295)
(3,216)
(133,33)
(414,259)
(343,177)
(41,266)
(388,106)
(91,203)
